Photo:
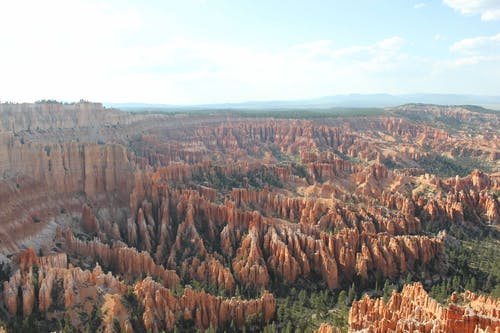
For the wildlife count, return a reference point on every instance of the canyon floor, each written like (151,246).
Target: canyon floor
(373,220)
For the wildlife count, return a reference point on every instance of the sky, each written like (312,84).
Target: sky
(209,51)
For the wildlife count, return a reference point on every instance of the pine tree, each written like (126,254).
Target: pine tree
(237,291)
(456,284)
(387,290)
(408,279)
(351,296)
(342,301)
(302,297)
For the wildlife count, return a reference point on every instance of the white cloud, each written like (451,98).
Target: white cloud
(392,43)
(474,60)
(488,9)
(419,5)
(439,37)
(478,45)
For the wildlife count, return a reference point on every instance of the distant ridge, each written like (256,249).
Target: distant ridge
(349,100)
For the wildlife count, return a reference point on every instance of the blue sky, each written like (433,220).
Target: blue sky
(208,51)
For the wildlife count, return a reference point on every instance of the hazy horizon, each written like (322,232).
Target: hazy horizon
(345,100)
(321,102)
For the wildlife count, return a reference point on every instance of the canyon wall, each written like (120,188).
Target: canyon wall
(54,116)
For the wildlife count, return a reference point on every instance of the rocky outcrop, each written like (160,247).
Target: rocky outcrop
(413,309)
(249,265)
(56,284)
(338,258)
(114,311)
(327,328)
(211,272)
(188,242)
(396,217)
(483,305)
(121,259)
(162,308)
(27,259)
(11,291)
(89,221)
(286,258)
(468,199)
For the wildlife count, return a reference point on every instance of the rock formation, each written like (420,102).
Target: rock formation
(134,209)
(123,260)
(162,308)
(413,309)
(249,264)
(327,328)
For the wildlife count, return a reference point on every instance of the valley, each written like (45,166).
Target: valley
(382,220)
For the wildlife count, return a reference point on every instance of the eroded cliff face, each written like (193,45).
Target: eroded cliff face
(162,309)
(41,181)
(55,116)
(46,183)
(414,310)
(69,167)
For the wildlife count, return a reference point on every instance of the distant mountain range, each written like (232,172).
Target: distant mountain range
(350,100)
